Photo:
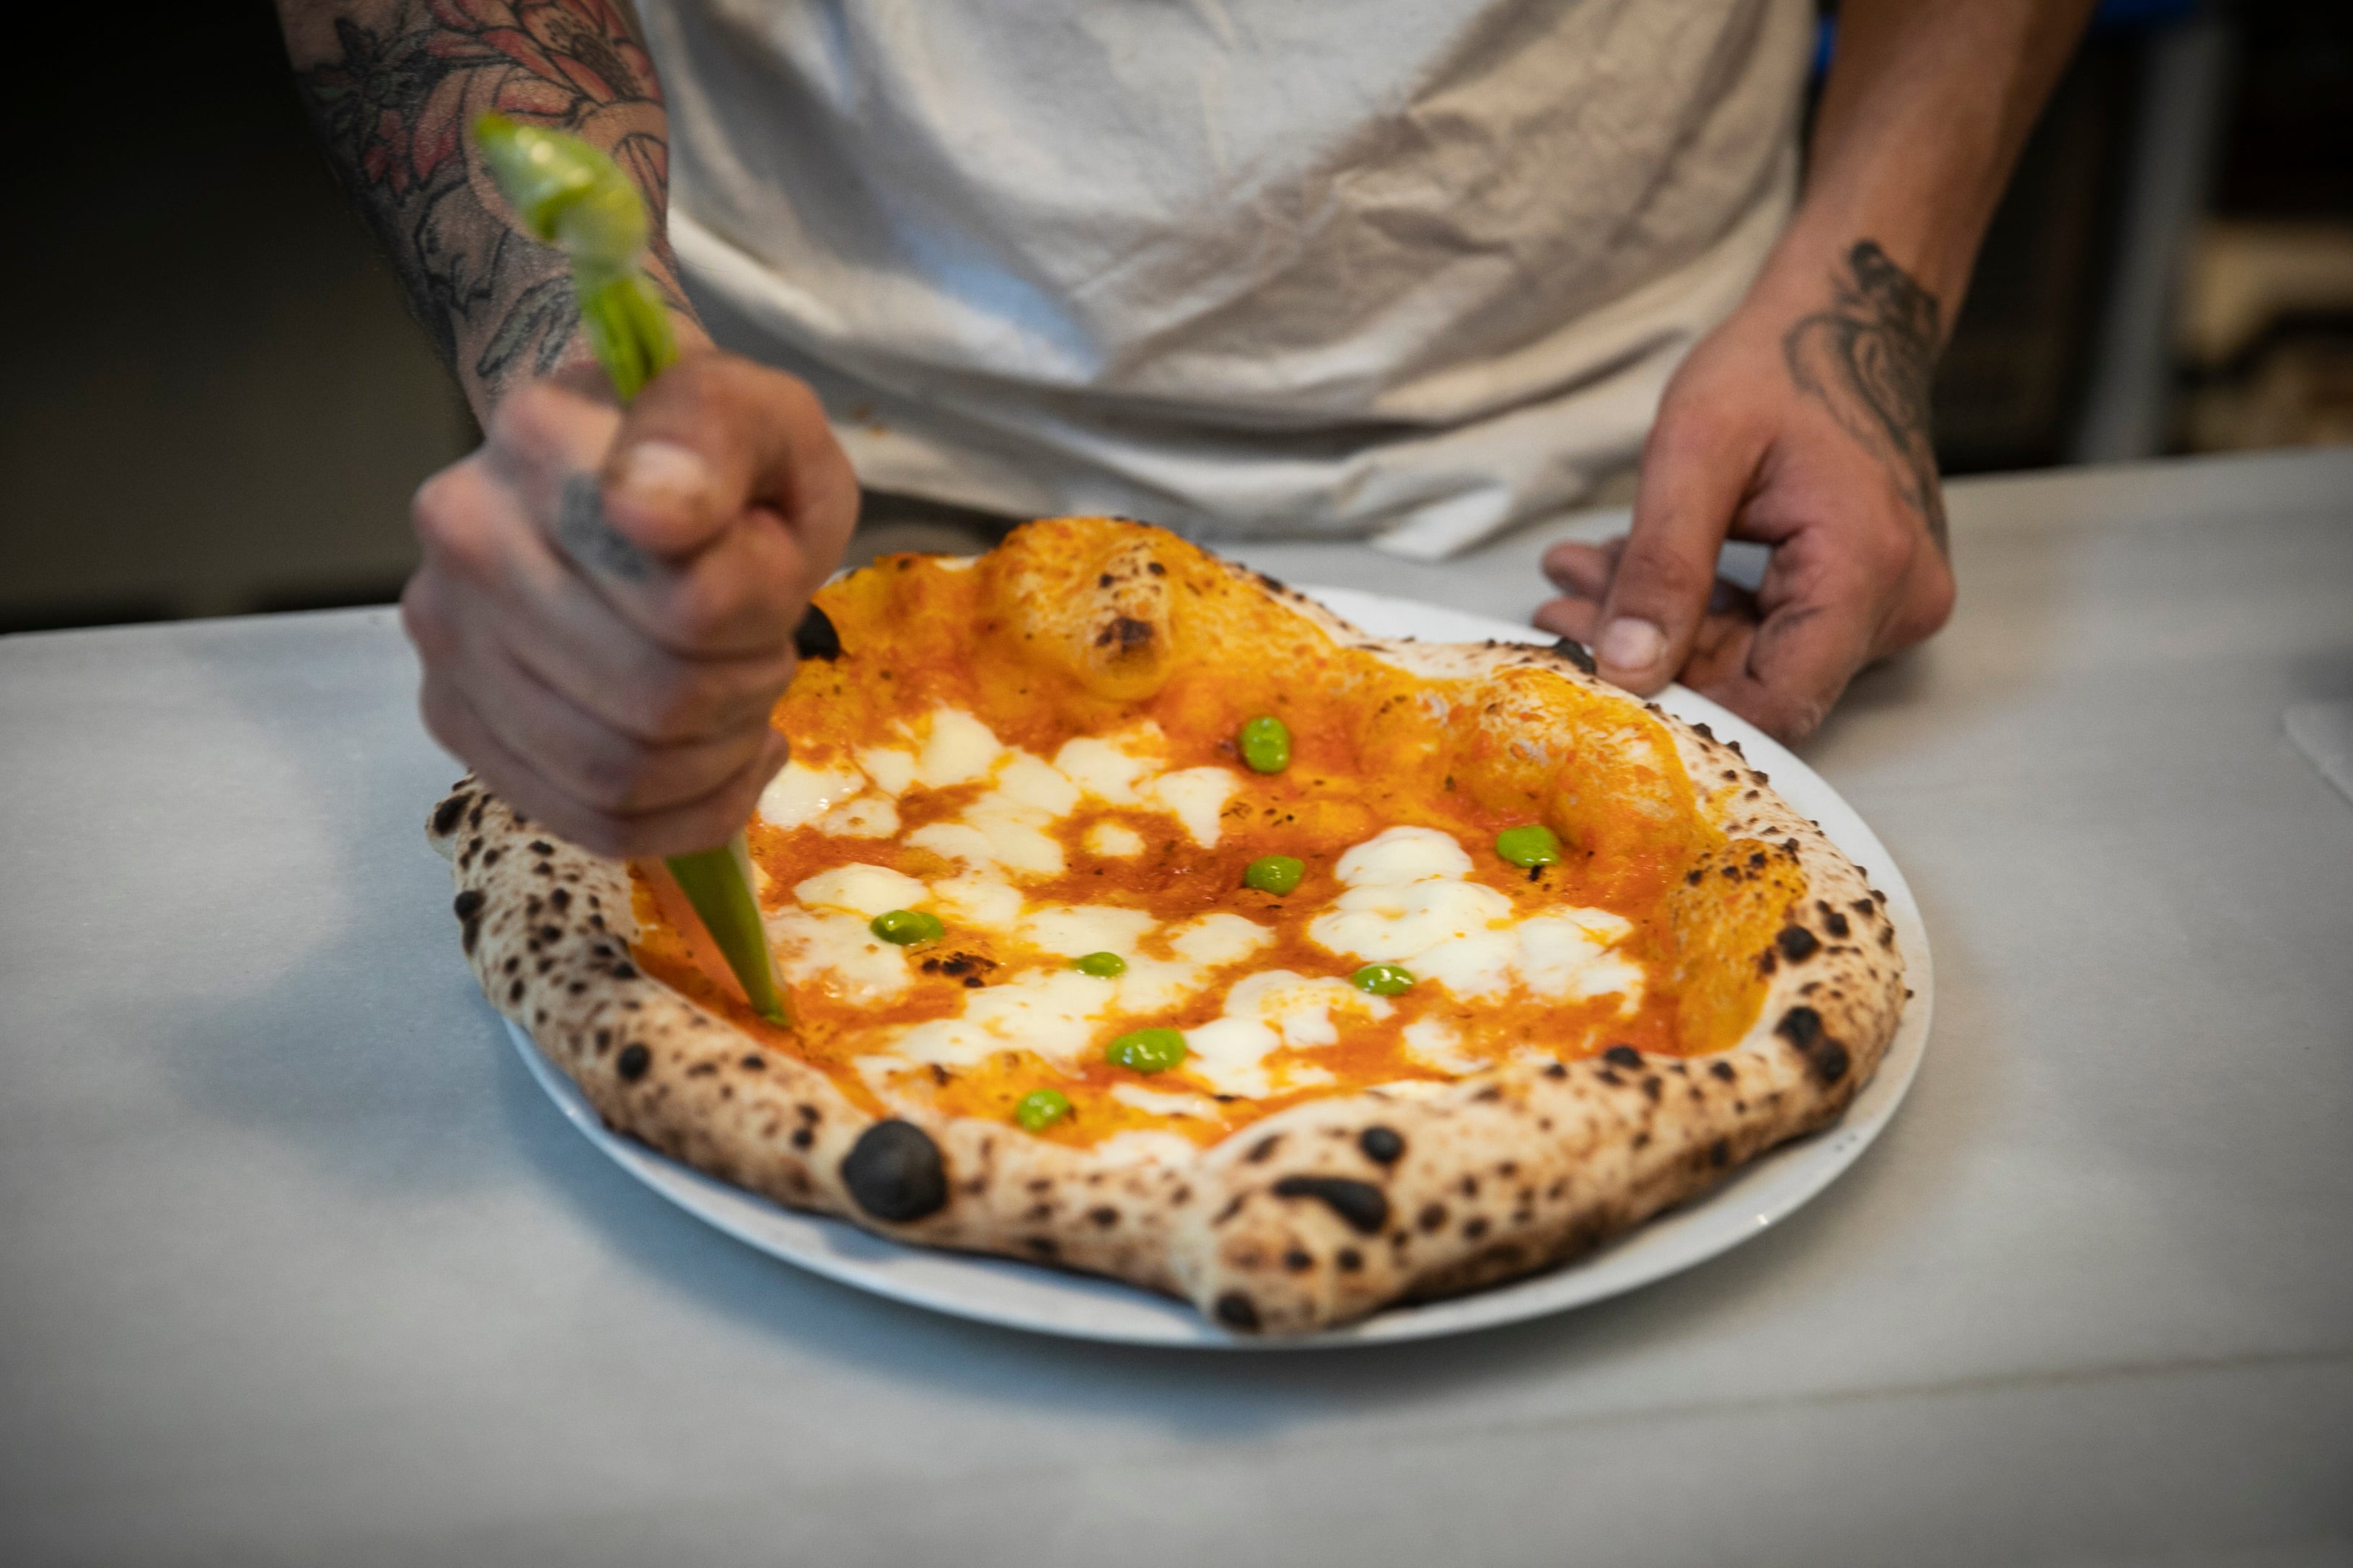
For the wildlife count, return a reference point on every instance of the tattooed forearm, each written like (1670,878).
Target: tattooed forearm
(392,85)
(1869,359)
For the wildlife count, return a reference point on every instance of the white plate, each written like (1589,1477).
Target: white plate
(1021,1296)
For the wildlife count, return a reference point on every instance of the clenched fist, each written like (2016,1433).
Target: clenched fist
(608,600)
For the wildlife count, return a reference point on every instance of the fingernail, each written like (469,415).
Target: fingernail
(659,471)
(1631,644)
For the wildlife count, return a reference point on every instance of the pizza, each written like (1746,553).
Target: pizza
(1140,917)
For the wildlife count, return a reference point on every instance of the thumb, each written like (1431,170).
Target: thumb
(1691,482)
(708,438)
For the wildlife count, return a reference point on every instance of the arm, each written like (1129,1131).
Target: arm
(1802,421)
(606,599)
(391,87)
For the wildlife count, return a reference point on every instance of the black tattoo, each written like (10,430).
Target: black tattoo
(592,542)
(1869,359)
(392,102)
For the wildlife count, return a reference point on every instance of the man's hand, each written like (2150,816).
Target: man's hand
(608,600)
(1803,429)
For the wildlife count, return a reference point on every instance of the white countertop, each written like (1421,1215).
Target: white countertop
(297,1266)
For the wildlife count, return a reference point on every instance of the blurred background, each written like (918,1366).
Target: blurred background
(219,404)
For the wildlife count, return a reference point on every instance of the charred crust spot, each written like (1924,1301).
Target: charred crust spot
(1264,1150)
(894,1172)
(1797,944)
(1622,1056)
(1125,632)
(1832,921)
(1610,1078)
(624,972)
(541,846)
(1043,1246)
(1363,1207)
(1236,1310)
(474,817)
(1105,580)
(753,1061)
(1556,1069)
(446,815)
(560,900)
(1651,1084)
(1576,653)
(1348,1260)
(1432,1217)
(1298,1262)
(1233,1206)
(803,1137)
(1382,1145)
(1863,906)
(549,933)
(1719,1153)
(1103,1215)
(491,857)
(1802,1027)
(1722,1069)
(1157,568)
(816,638)
(1474,1228)
(633,1062)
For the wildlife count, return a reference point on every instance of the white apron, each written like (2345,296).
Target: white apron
(1414,270)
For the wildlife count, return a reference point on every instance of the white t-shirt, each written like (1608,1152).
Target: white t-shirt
(1407,270)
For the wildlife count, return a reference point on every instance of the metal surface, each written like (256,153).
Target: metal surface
(298,1266)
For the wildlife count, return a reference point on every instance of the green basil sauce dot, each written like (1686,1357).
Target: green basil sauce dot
(905,928)
(1275,874)
(1531,846)
(1148,1050)
(1266,744)
(1101,965)
(1041,1107)
(1382,980)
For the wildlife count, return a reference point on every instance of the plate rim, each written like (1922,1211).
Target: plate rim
(1774,1186)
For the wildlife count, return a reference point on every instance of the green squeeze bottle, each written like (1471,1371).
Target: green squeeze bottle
(574,197)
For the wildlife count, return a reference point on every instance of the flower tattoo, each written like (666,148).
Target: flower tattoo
(1869,360)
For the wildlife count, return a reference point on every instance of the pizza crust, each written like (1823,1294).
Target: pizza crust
(1312,1216)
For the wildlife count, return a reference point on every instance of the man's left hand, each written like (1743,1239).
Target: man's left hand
(1804,429)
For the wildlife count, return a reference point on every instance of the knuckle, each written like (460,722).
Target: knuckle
(453,520)
(425,616)
(673,701)
(614,774)
(530,419)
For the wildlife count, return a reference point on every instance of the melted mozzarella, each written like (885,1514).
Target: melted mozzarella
(837,950)
(1113,840)
(860,890)
(1406,901)
(1218,938)
(1073,930)
(959,748)
(868,816)
(799,793)
(1264,1013)
(1194,796)
(982,902)
(1434,1043)
(892,770)
(1161,1103)
(1052,1012)
(1108,767)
